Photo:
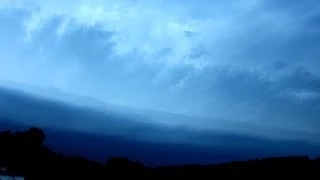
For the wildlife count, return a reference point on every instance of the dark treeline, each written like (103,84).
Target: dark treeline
(24,153)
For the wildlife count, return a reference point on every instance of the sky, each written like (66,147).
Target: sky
(248,62)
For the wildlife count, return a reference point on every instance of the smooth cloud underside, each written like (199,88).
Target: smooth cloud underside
(252,60)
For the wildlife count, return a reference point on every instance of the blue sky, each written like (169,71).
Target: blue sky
(246,61)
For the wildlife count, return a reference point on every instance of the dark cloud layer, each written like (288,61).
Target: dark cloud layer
(122,135)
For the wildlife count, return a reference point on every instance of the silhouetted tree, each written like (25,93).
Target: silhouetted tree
(35,136)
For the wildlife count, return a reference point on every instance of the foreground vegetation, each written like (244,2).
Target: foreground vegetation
(24,153)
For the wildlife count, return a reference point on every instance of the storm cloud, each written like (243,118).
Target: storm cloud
(243,62)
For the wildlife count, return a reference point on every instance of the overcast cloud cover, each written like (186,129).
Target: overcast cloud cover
(253,61)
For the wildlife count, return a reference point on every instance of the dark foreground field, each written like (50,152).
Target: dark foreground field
(24,153)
